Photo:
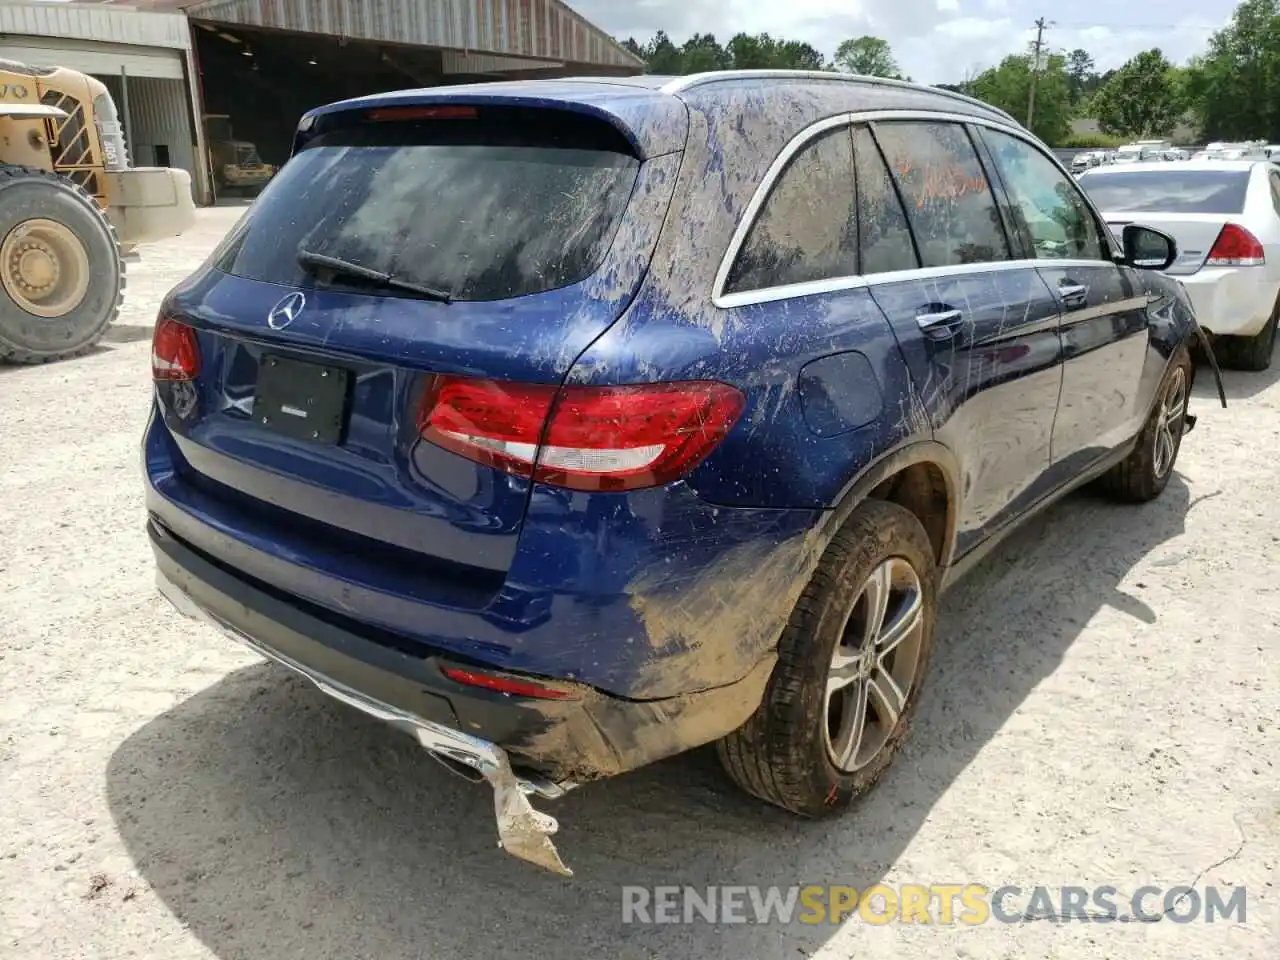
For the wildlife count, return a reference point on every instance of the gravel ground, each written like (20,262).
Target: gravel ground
(1103,710)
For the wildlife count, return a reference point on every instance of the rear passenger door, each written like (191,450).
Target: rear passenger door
(1103,303)
(977,326)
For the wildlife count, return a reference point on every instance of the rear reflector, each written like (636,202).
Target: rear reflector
(175,354)
(389,114)
(501,683)
(583,438)
(1236,247)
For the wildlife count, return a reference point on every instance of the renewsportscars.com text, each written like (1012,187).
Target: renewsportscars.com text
(960,904)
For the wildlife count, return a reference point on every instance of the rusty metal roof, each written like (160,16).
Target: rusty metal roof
(539,29)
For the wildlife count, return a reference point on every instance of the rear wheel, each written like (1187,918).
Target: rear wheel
(1248,353)
(61,274)
(1145,473)
(850,667)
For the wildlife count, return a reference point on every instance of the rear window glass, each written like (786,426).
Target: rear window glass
(500,204)
(1169,191)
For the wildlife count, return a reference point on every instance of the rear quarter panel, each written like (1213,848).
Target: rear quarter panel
(1171,323)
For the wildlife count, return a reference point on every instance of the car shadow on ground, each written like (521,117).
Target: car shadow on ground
(1239,384)
(274,822)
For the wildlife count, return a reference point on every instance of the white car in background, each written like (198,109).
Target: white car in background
(1225,217)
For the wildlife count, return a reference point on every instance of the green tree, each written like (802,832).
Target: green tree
(662,56)
(1080,69)
(1142,99)
(1008,86)
(751,53)
(796,55)
(870,56)
(1234,89)
(702,53)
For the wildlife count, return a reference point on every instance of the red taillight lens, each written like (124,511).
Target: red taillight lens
(584,438)
(1236,247)
(175,354)
(384,114)
(500,683)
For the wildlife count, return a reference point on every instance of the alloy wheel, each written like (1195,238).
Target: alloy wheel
(1173,406)
(874,665)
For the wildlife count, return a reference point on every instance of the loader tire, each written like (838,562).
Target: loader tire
(61,273)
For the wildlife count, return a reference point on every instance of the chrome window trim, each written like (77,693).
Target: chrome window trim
(726,301)
(771,175)
(681,84)
(840,284)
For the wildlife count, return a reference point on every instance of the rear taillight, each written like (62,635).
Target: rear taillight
(584,438)
(175,354)
(1236,247)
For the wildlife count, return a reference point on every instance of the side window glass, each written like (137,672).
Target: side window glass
(1047,204)
(884,237)
(807,228)
(949,202)
(1274,179)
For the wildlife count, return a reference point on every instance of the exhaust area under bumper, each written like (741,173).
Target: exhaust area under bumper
(522,831)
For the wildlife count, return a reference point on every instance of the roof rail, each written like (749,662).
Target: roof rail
(715,76)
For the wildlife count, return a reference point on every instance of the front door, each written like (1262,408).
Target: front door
(977,328)
(1104,306)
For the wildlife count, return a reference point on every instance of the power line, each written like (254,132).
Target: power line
(1074,25)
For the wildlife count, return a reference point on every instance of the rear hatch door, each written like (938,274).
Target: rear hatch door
(517,235)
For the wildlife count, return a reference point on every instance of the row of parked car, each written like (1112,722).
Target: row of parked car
(1148,151)
(569,425)
(1143,151)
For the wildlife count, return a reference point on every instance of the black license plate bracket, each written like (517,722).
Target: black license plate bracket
(306,401)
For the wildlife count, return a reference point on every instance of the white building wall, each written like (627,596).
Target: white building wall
(159,115)
(152,48)
(95,22)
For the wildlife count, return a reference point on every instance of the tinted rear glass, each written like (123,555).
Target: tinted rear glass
(1169,191)
(502,204)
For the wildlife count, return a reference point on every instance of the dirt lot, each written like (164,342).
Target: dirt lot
(1104,710)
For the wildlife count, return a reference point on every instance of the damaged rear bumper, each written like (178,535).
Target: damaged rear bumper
(521,747)
(522,831)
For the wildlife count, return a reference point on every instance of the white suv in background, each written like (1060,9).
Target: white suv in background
(1225,217)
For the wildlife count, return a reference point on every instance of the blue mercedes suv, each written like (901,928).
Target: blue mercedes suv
(572,424)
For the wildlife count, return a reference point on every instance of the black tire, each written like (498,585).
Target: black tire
(1248,353)
(27,194)
(1143,475)
(781,754)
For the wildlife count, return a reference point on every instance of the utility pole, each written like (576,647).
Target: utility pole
(1041,25)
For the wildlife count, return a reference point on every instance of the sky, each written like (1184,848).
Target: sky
(934,41)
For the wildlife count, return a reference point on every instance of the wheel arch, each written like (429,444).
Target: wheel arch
(922,476)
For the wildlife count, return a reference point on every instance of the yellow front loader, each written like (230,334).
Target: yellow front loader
(69,201)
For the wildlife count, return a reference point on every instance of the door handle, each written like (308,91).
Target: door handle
(1073,294)
(939,322)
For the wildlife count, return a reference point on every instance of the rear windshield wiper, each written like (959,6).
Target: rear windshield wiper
(319,261)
